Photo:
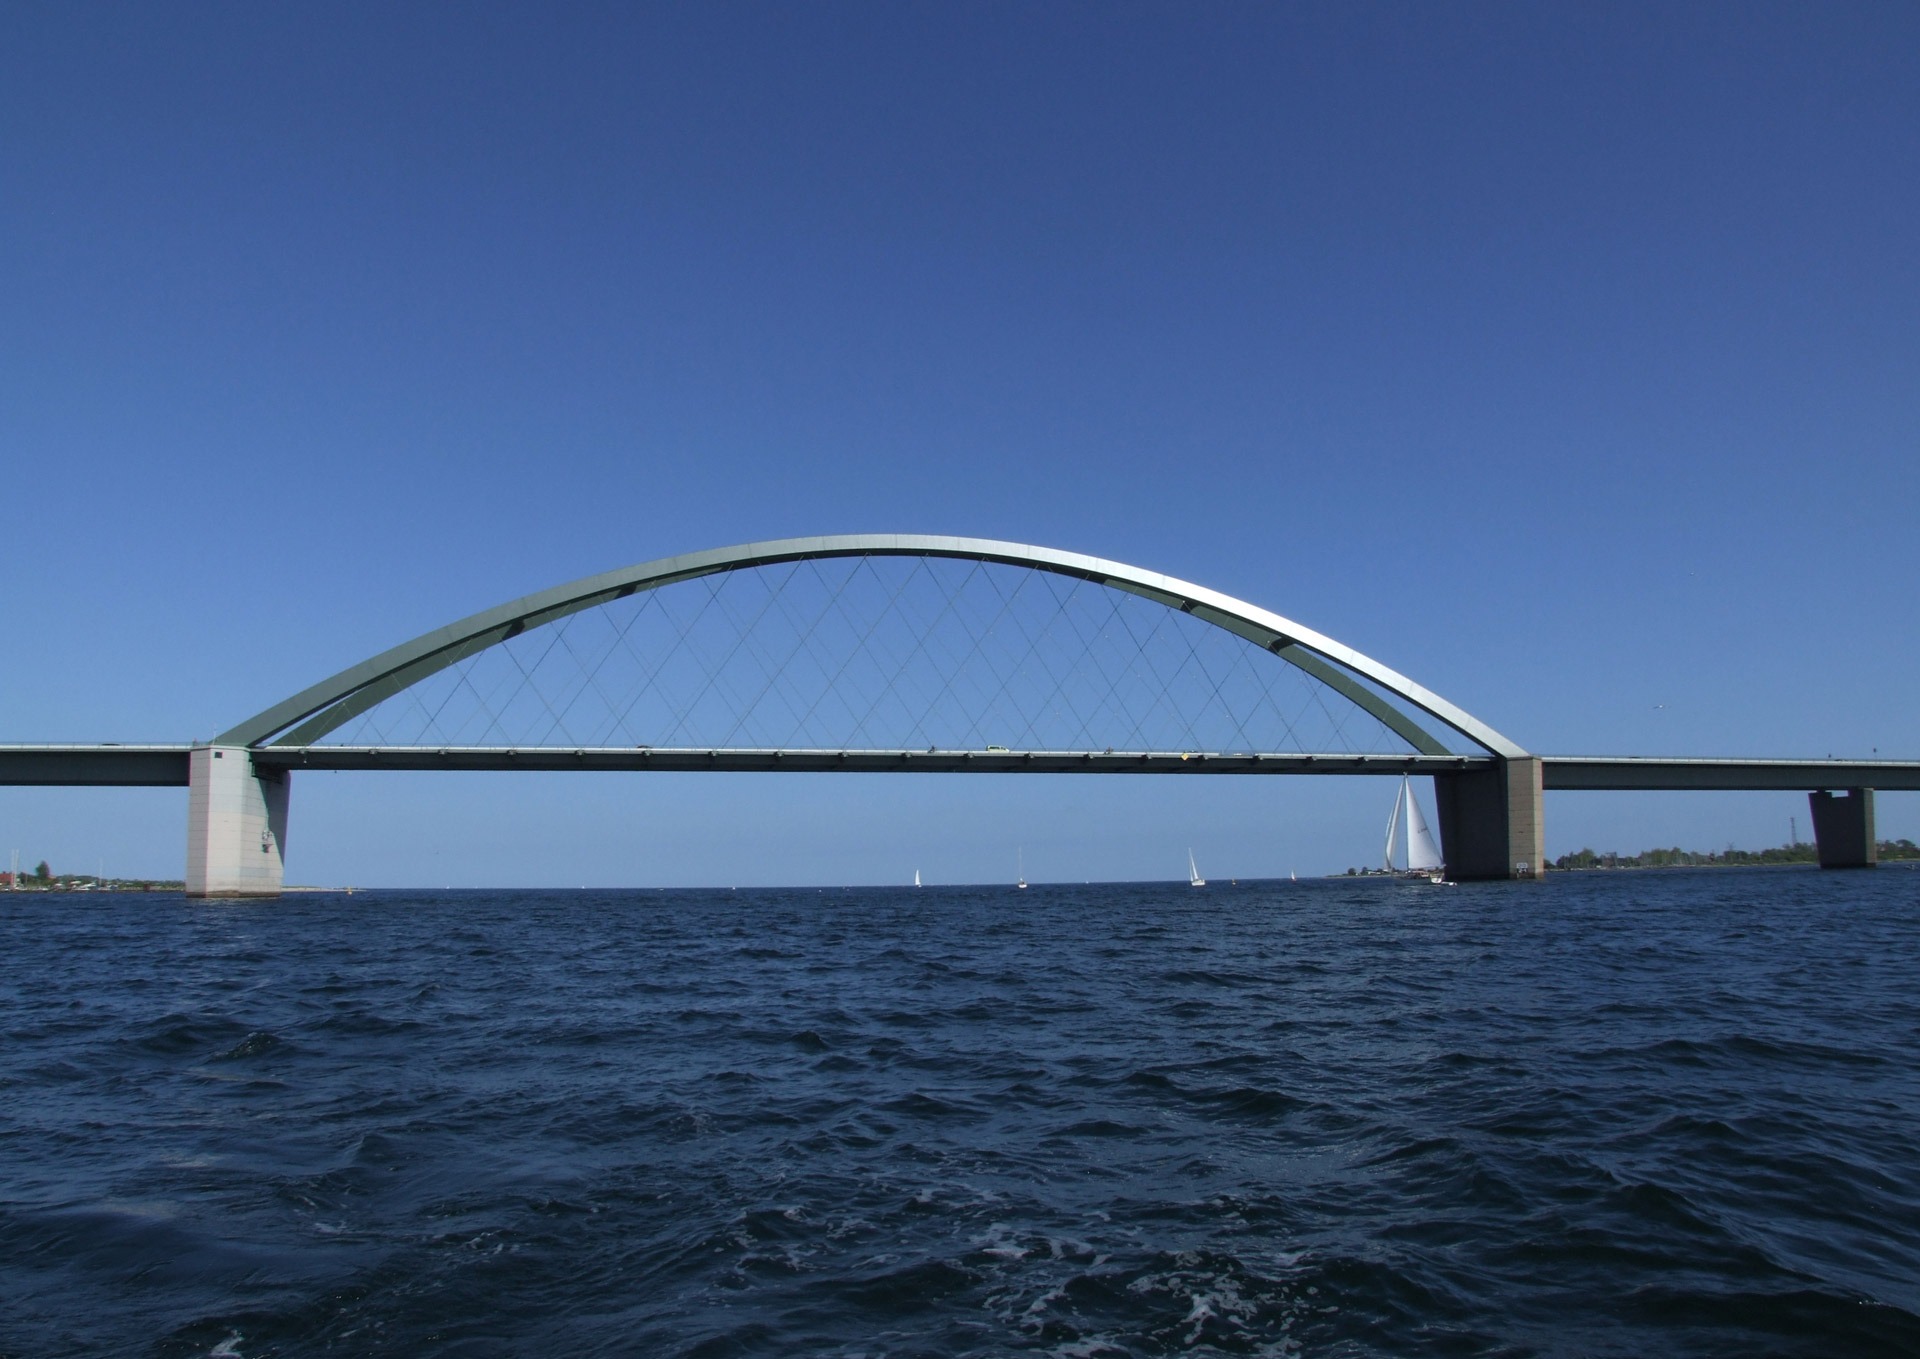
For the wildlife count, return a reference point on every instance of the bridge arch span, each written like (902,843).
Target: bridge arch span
(324,707)
(1488,800)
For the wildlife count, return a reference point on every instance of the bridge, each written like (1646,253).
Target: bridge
(899,653)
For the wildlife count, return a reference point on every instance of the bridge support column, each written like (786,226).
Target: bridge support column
(1491,822)
(236,824)
(1843,828)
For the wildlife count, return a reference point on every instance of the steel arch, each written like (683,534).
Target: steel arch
(322,708)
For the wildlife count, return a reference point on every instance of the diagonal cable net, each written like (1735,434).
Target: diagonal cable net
(879,653)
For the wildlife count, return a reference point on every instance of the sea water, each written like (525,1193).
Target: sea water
(1637,1113)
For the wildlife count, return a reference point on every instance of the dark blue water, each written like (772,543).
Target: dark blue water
(1630,1114)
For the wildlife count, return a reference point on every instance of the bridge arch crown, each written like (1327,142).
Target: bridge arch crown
(1400,706)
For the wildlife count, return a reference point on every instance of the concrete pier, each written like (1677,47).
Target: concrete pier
(1843,828)
(1492,825)
(236,824)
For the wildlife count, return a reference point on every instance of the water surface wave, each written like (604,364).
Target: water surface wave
(1628,1114)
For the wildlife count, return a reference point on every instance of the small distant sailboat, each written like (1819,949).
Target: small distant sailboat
(1022,852)
(1407,833)
(1291,877)
(916,877)
(1193,871)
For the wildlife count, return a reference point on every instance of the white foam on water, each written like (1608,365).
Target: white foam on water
(158,1209)
(996,1243)
(1035,1315)
(1092,1348)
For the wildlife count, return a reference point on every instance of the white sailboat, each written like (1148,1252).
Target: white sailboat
(916,877)
(1022,852)
(1419,856)
(1193,871)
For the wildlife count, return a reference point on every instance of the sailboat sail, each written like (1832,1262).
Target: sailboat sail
(1193,872)
(1423,855)
(1410,844)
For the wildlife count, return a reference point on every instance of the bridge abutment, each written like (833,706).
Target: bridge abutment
(1843,830)
(236,824)
(1492,825)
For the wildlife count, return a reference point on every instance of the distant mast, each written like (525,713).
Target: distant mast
(1193,871)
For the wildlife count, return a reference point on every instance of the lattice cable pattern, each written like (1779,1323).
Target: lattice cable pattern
(878,653)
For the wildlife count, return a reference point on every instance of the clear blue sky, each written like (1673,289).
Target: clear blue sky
(1566,358)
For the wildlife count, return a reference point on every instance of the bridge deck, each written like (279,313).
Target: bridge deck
(166,765)
(95,766)
(1648,773)
(869,761)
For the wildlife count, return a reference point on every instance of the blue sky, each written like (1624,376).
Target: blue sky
(1566,358)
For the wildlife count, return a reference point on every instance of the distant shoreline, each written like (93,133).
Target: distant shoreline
(1803,852)
(1885,861)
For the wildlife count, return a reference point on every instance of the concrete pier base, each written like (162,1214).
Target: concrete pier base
(1843,828)
(1492,825)
(236,824)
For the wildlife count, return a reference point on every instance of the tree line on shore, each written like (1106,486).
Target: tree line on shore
(1801,853)
(42,878)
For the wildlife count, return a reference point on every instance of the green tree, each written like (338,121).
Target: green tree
(41,871)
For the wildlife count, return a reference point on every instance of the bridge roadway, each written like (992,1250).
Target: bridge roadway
(167,765)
